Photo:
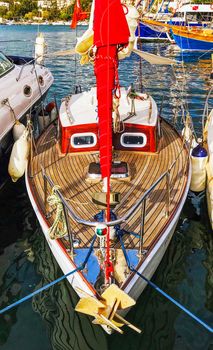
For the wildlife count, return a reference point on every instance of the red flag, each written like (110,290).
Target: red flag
(78,15)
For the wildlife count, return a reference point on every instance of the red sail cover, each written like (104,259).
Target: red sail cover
(110,30)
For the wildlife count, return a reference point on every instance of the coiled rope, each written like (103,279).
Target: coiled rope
(59,227)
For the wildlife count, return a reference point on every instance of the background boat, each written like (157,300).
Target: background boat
(193,39)
(189,15)
(23,84)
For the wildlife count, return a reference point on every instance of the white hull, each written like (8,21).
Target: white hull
(12,87)
(136,285)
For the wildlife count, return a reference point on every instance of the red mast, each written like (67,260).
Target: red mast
(110,30)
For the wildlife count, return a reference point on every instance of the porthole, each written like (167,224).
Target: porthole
(41,80)
(137,139)
(83,140)
(27,91)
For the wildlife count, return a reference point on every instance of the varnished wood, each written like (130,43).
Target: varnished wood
(69,172)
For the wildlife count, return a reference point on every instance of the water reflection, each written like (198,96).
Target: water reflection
(17,273)
(67,329)
(182,275)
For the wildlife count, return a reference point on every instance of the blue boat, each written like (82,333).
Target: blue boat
(196,39)
(144,32)
(193,15)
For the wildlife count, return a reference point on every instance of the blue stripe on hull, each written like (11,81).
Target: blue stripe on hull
(148,33)
(192,44)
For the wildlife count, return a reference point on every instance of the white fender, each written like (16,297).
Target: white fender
(40,48)
(209,190)
(18,130)
(199,158)
(19,156)
(198,180)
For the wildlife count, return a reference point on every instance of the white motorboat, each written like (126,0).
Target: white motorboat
(23,87)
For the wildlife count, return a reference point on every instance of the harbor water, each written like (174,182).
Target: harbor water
(48,321)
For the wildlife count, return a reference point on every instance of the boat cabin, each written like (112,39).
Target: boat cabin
(193,14)
(138,123)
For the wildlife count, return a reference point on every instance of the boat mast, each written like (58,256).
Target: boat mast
(110,30)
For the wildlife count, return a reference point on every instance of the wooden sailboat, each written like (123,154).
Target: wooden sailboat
(108,187)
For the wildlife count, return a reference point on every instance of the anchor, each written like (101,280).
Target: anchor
(105,308)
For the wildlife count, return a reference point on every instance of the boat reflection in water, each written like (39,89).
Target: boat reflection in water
(67,329)
(161,322)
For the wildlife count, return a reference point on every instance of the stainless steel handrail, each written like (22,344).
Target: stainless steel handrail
(23,66)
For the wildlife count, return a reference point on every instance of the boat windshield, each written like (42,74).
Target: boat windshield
(196,16)
(5,64)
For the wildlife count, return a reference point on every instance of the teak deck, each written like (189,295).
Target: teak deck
(69,172)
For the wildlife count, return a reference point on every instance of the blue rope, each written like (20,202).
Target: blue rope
(20,301)
(131,233)
(29,296)
(153,285)
(183,308)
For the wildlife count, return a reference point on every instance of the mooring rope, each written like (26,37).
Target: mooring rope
(29,296)
(158,289)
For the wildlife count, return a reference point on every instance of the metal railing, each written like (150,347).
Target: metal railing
(141,202)
(32,62)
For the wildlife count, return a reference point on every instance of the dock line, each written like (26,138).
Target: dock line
(159,290)
(29,296)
